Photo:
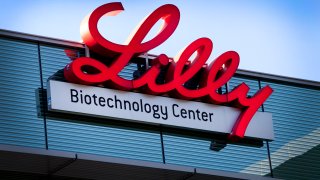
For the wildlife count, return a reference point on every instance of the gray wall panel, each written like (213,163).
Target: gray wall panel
(19,79)
(296,117)
(196,153)
(104,140)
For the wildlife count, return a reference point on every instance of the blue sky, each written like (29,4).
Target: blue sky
(279,37)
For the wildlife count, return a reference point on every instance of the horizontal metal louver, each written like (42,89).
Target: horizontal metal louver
(54,59)
(296,119)
(127,72)
(104,140)
(252,83)
(19,79)
(196,153)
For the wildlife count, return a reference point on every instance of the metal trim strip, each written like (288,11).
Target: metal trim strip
(41,39)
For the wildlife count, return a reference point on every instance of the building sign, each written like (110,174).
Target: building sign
(137,107)
(105,72)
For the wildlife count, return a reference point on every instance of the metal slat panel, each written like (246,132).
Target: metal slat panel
(296,118)
(253,84)
(54,59)
(104,140)
(81,136)
(196,153)
(19,78)
(127,72)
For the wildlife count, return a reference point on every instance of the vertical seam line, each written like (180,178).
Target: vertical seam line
(43,99)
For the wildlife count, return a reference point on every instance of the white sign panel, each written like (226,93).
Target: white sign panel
(129,106)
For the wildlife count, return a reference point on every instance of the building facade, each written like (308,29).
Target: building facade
(35,143)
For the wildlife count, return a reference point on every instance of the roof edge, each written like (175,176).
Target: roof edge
(278,78)
(240,72)
(37,38)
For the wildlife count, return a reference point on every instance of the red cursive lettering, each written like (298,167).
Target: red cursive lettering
(90,71)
